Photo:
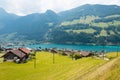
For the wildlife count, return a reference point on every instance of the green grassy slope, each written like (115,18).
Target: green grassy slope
(97,31)
(64,68)
(109,71)
(84,30)
(113,72)
(90,21)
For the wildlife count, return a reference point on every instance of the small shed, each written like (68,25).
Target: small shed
(85,53)
(67,52)
(54,51)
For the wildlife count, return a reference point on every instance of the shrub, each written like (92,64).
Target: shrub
(77,56)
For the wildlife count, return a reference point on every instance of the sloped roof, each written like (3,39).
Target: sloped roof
(25,50)
(54,51)
(85,53)
(18,53)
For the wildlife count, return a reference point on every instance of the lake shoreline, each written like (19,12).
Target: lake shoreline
(76,47)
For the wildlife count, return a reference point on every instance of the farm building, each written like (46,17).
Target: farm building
(26,51)
(20,54)
(85,53)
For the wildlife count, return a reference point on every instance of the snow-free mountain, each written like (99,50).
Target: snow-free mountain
(87,24)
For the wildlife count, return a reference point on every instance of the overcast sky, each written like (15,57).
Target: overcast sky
(23,7)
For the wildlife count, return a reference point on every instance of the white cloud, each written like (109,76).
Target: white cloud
(22,7)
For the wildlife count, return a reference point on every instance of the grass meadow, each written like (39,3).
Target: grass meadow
(64,68)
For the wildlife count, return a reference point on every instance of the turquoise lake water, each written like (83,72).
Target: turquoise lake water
(77,47)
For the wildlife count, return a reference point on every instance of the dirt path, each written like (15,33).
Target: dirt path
(92,75)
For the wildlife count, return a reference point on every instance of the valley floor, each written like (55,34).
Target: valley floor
(64,68)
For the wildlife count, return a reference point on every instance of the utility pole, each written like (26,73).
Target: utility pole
(53,51)
(117,43)
(34,59)
(53,58)
(117,49)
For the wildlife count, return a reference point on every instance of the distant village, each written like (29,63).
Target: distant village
(23,54)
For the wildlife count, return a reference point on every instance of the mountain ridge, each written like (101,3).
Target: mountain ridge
(65,27)
(89,9)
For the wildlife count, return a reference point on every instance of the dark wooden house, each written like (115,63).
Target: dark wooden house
(14,55)
(21,54)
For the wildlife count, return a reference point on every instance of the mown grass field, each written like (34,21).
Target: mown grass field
(64,68)
(84,30)
(103,33)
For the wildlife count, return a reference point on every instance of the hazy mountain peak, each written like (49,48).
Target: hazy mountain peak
(2,11)
(86,5)
(50,12)
(90,9)
(37,25)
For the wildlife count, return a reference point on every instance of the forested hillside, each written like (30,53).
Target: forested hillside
(87,24)
(89,30)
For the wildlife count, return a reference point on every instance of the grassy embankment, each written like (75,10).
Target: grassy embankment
(64,68)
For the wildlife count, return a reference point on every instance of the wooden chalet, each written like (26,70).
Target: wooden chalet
(67,52)
(20,54)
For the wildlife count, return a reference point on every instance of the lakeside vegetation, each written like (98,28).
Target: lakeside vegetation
(64,68)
